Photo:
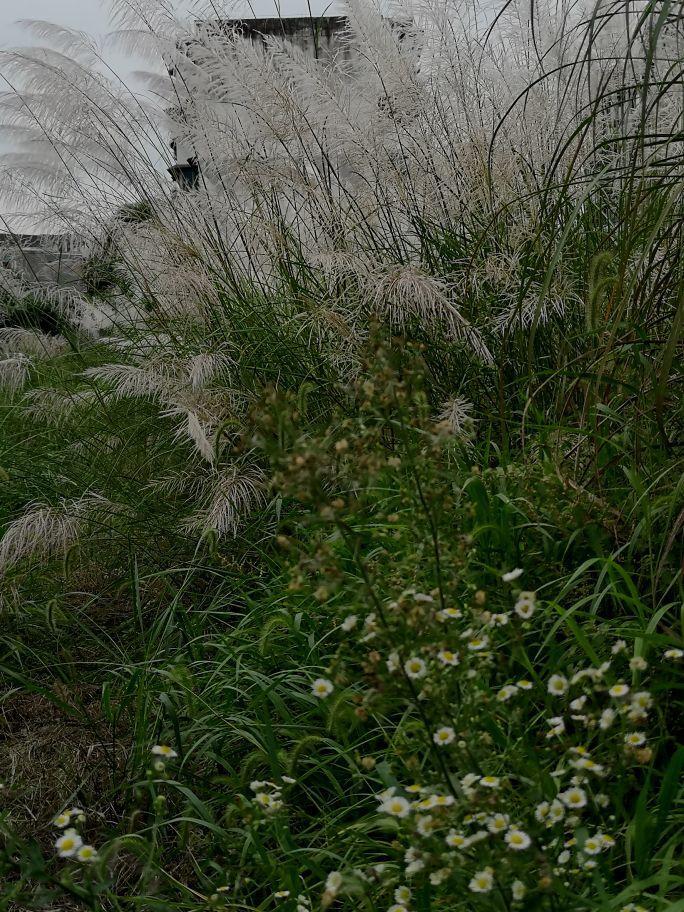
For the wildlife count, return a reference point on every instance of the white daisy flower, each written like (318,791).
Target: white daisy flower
(574,798)
(425,825)
(478,643)
(444,736)
(497,823)
(281,894)
(68,844)
(593,845)
(619,690)
(446,657)
(87,854)
(635,739)
(322,688)
(62,820)
(482,882)
(518,890)
(512,575)
(674,654)
(163,750)
(638,663)
(415,668)
(517,840)
(618,647)
(541,812)
(456,840)
(556,811)
(349,622)
(267,801)
(506,692)
(586,763)
(642,699)
(499,620)
(492,782)
(558,685)
(525,684)
(396,806)
(402,895)
(393,663)
(449,614)
(524,609)
(469,780)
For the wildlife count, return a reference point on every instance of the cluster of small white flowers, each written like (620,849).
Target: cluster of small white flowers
(525,605)
(268,795)
(443,830)
(70,843)
(303,903)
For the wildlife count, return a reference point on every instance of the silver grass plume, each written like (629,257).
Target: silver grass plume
(46,531)
(233,494)
(456,418)
(30,342)
(405,294)
(14,372)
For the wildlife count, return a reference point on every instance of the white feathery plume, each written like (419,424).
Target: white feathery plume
(45,531)
(128,380)
(55,406)
(14,372)
(31,342)
(70,41)
(234,493)
(405,294)
(193,428)
(206,366)
(456,417)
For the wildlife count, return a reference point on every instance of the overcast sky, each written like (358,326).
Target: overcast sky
(91,15)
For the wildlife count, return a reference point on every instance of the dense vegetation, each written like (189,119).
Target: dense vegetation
(342,508)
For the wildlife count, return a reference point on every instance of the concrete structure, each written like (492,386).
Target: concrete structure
(48,259)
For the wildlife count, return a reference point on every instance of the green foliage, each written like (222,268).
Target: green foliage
(383,517)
